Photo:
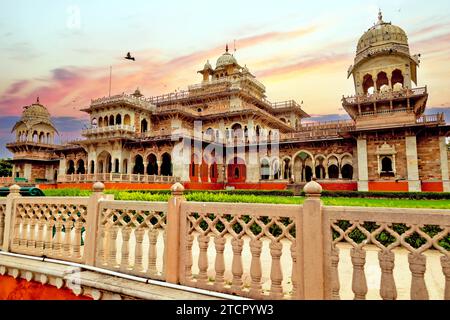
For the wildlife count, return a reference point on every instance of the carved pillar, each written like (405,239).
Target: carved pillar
(276,273)
(203,242)
(124,261)
(236,268)
(417,265)
(220,262)
(359,283)
(139,234)
(152,253)
(255,268)
(335,285)
(388,290)
(363,172)
(445,262)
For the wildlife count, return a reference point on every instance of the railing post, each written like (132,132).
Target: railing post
(90,243)
(172,245)
(14,193)
(312,244)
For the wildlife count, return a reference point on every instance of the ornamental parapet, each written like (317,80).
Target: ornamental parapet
(385,96)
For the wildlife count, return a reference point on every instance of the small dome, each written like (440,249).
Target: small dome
(226,59)
(35,114)
(35,111)
(383,33)
(137,93)
(207,65)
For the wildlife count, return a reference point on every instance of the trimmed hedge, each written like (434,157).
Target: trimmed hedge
(386,195)
(280,193)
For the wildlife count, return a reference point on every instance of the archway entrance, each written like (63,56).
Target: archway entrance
(138,165)
(166,166)
(104,161)
(236,170)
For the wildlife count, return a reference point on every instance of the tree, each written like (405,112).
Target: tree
(5,168)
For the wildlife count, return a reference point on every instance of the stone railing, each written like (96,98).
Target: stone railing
(383,96)
(408,237)
(124,98)
(117,177)
(434,118)
(109,129)
(131,230)
(53,227)
(251,250)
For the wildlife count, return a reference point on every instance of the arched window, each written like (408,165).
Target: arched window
(144,124)
(80,167)
(287,169)
(100,122)
(333,172)
(152,167)
(386,165)
(166,165)
(382,80)
(127,120)
(209,134)
(237,130)
(276,169)
(138,165)
(105,121)
(71,169)
(116,166)
(111,120)
(258,131)
(125,166)
(104,162)
(94,123)
(368,83)
(308,173)
(320,172)
(397,77)
(347,172)
(92,166)
(35,136)
(118,119)
(265,169)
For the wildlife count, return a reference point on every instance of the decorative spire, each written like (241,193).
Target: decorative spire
(226,48)
(37,100)
(380,17)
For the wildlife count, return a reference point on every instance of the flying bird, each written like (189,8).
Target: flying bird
(129,57)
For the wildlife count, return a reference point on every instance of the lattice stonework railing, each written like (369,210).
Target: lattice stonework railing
(131,238)
(52,227)
(392,234)
(2,219)
(226,245)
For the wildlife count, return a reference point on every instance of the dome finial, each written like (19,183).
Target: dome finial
(37,100)
(380,16)
(226,48)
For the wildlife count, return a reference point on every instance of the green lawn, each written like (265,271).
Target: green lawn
(240,198)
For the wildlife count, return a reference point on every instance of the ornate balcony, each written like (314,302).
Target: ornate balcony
(144,103)
(385,96)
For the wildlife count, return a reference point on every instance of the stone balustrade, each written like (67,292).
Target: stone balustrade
(117,177)
(259,251)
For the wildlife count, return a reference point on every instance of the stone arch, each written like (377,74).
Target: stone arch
(152,164)
(166,165)
(144,125)
(397,77)
(276,168)
(80,167)
(382,80)
(70,167)
(236,169)
(105,162)
(100,122)
(286,171)
(92,168)
(119,119)
(111,120)
(367,83)
(127,120)
(265,169)
(303,164)
(138,164)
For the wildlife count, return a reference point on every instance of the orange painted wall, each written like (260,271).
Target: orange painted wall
(432,186)
(401,186)
(21,289)
(345,186)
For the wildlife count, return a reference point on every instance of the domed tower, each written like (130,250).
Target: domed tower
(383,73)
(34,160)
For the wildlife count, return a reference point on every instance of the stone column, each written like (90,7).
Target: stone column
(444,164)
(412,165)
(363,173)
